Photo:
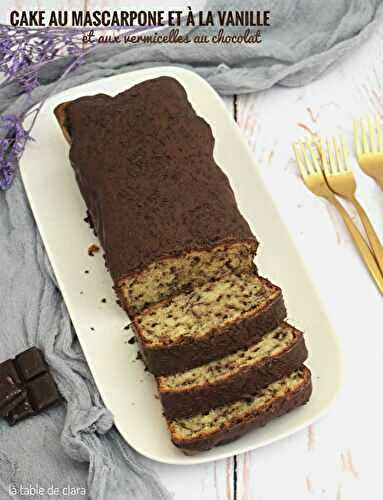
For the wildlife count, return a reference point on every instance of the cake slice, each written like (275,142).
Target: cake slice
(228,422)
(164,211)
(213,320)
(223,381)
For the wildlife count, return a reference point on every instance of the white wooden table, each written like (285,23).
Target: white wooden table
(338,458)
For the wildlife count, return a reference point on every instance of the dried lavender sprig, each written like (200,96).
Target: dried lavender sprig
(12,144)
(23,51)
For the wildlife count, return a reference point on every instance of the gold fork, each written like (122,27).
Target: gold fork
(368,139)
(336,166)
(309,165)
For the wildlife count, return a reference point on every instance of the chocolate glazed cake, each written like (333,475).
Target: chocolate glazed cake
(228,422)
(213,320)
(225,380)
(163,210)
(181,256)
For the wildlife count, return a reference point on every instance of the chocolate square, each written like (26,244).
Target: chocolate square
(26,386)
(23,410)
(8,369)
(9,395)
(7,410)
(43,392)
(31,363)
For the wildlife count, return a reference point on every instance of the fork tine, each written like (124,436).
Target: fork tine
(366,145)
(323,155)
(345,154)
(358,145)
(331,157)
(309,166)
(338,155)
(379,133)
(314,157)
(298,158)
(372,135)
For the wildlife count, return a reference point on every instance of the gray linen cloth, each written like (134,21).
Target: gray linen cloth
(75,445)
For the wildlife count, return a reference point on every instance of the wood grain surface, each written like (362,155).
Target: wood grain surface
(339,457)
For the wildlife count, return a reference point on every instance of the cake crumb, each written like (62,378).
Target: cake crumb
(92,249)
(126,327)
(132,340)
(86,271)
(103,300)
(92,328)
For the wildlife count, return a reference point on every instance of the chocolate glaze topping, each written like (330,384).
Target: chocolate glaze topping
(144,163)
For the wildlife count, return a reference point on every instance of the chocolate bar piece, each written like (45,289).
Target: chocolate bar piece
(8,369)
(43,392)
(31,363)
(23,410)
(25,367)
(26,386)
(10,395)
(4,412)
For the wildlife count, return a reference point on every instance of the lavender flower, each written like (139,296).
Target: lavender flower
(23,51)
(12,144)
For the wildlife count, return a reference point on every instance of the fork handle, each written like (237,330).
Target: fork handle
(371,234)
(360,244)
(379,180)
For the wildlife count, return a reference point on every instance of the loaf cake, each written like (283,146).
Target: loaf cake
(215,319)
(181,257)
(223,381)
(163,210)
(228,422)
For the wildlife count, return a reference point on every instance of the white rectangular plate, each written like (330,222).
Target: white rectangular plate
(128,391)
